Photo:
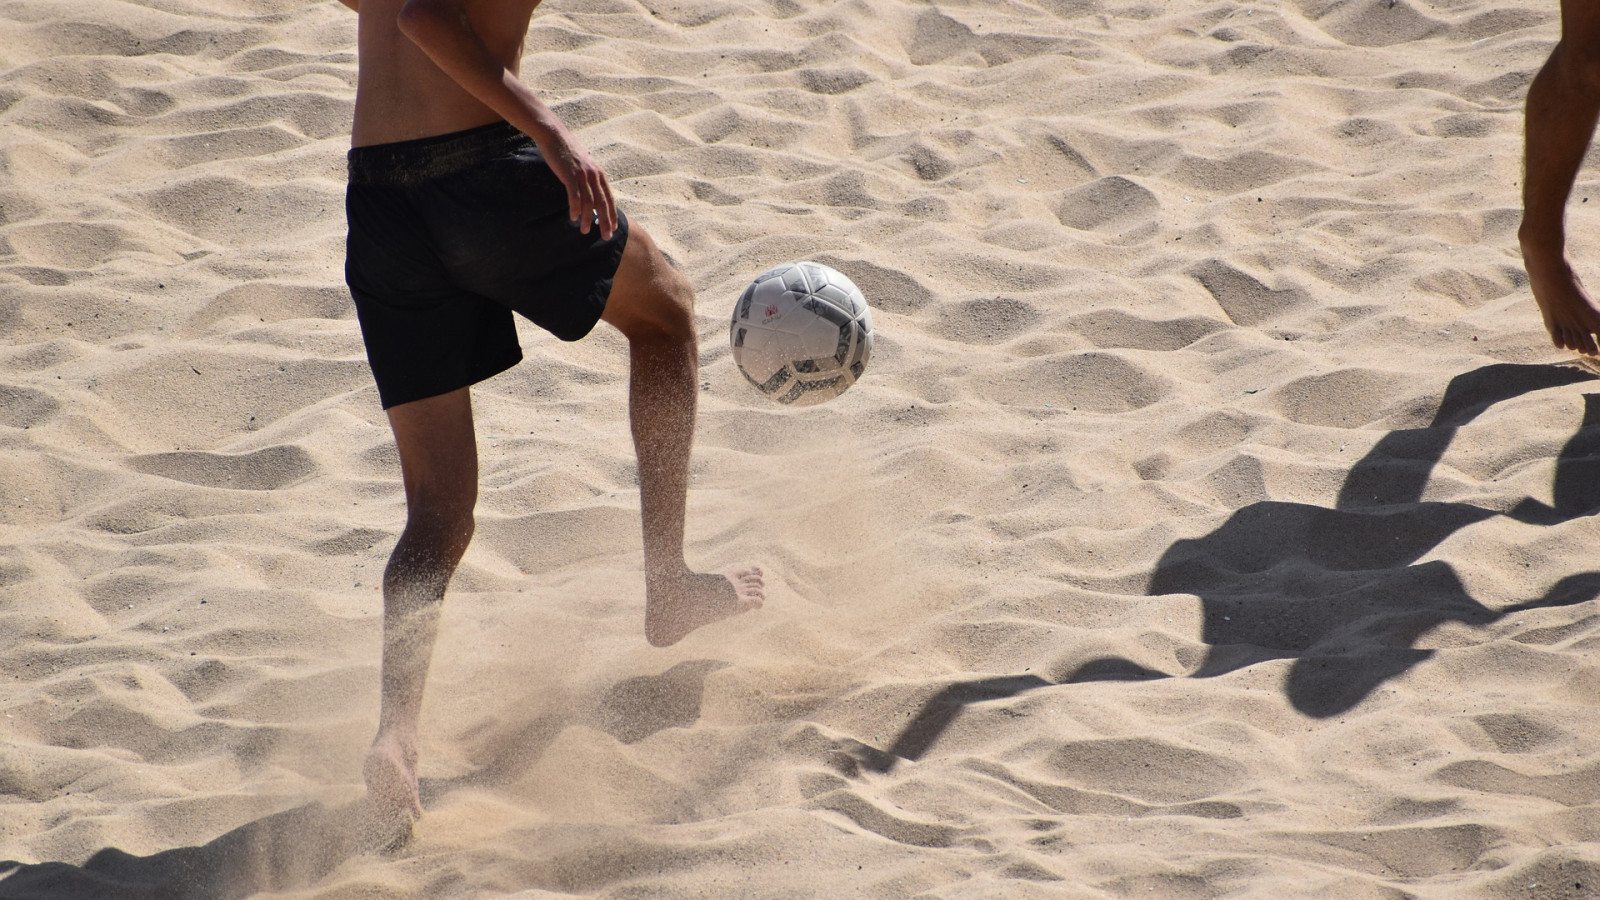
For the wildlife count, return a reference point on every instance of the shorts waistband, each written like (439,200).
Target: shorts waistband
(423,159)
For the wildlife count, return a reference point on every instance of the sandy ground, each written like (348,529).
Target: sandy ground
(1212,520)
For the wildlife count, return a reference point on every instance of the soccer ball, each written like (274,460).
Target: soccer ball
(801,333)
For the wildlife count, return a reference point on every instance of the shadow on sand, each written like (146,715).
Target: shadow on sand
(281,852)
(1338,590)
(298,847)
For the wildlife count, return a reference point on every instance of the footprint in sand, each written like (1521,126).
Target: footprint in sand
(1113,205)
(264,470)
(22,407)
(1245,299)
(990,320)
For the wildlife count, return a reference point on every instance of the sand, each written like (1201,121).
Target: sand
(1211,522)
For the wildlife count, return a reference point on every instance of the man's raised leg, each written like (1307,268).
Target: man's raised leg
(1563,104)
(653,306)
(439,465)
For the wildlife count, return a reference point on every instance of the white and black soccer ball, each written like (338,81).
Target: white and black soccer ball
(801,333)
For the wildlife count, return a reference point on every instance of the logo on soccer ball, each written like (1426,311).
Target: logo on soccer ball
(772,310)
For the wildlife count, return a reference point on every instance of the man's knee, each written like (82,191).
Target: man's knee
(665,315)
(651,301)
(677,309)
(1588,73)
(1577,58)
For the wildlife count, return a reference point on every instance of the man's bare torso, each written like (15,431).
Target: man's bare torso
(401,94)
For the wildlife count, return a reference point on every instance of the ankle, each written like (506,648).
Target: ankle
(662,576)
(400,739)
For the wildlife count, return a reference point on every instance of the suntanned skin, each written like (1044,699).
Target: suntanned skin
(432,67)
(1563,105)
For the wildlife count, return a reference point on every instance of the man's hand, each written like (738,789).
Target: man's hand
(589,200)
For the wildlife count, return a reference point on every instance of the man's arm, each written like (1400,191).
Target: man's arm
(1563,104)
(353,4)
(443,29)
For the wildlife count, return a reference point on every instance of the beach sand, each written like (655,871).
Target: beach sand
(1212,520)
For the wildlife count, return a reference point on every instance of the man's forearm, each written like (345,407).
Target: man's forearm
(442,30)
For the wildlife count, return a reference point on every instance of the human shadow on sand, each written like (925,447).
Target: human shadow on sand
(1340,591)
(281,852)
(296,848)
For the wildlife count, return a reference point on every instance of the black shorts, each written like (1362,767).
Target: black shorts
(451,234)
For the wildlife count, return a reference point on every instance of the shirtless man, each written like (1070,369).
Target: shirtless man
(469,199)
(1563,103)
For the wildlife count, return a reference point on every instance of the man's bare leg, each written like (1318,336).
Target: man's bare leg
(439,465)
(653,306)
(1563,105)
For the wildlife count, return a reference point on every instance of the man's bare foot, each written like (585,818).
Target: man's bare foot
(678,605)
(1570,315)
(391,775)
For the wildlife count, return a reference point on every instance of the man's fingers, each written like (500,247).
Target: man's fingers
(592,208)
(591,200)
(575,207)
(607,209)
(599,201)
